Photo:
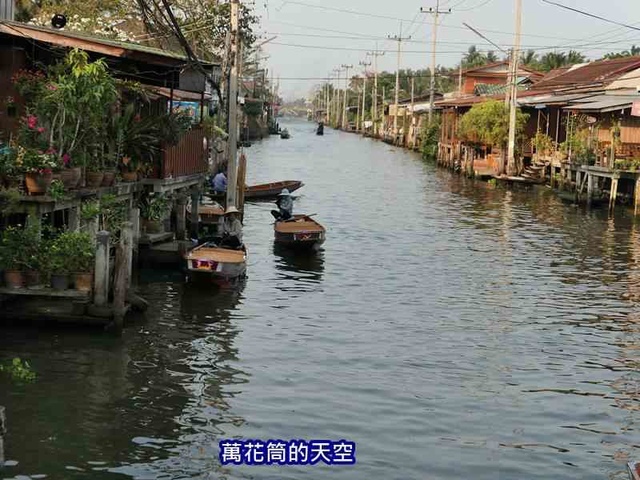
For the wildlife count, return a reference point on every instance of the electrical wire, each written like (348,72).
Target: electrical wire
(592,15)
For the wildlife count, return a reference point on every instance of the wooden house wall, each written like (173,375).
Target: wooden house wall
(11,60)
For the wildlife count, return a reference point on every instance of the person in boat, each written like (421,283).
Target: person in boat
(232,229)
(285,206)
(219,183)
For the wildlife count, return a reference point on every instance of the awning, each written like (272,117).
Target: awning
(157,92)
(605,103)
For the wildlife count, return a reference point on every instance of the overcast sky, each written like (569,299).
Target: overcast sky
(310,39)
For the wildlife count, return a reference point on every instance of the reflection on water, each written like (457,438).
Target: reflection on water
(450,328)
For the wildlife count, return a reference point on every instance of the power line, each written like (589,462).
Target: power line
(592,15)
(480,5)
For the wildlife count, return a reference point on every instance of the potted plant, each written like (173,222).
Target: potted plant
(21,256)
(153,208)
(79,253)
(38,167)
(58,263)
(8,172)
(94,175)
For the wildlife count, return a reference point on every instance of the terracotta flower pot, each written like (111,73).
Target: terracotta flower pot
(76,173)
(13,279)
(94,179)
(68,178)
(59,281)
(109,179)
(130,176)
(83,281)
(152,226)
(32,278)
(38,183)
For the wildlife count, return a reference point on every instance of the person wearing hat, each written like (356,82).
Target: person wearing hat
(285,206)
(232,228)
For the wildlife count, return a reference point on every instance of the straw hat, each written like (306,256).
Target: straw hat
(284,193)
(231,210)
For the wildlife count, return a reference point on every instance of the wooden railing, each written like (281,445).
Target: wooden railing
(188,157)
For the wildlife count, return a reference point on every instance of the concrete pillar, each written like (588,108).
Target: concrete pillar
(127,241)
(589,188)
(181,218)
(92,228)
(74,219)
(134,216)
(34,219)
(195,224)
(578,179)
(101,275)
(613,194)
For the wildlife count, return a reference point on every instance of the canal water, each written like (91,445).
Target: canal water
(450,328)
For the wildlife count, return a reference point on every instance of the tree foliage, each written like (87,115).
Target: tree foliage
(632,52)
(204,23)
(488,123)
(551,60)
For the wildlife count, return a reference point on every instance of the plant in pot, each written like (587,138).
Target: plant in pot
(21,256)
(79,253)
(153,209)
(9,174)
(38,167)
(58,263)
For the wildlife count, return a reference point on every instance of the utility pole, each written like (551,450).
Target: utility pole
(515,57)
(434,40)
(336,98)
(232,126)
(374,104)
(399,39)
(346,96)
(413,87)
(364,94)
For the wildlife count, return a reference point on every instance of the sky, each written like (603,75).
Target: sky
(312,39)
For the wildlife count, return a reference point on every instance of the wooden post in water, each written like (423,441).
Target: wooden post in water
(101,276)
(122,276)
(242,177)
(195,202)
(134,215)
(636,196)
(181,217)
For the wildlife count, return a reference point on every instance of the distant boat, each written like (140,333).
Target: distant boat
(266,191)
(218,264)
(320,130)
(301,232)
(284,134)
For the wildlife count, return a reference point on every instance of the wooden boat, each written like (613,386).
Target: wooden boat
(219,264)
(271,190)
(633,469)
(301,232)
(284,134)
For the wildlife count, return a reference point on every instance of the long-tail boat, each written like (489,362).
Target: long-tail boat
(268,191)
(300,232)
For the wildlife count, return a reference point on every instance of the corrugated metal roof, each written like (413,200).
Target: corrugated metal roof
(90,43)
(597,72)
(605,103)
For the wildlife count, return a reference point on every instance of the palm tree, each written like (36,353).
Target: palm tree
(529,58)
(491,57)
(473,58)
(553,60)
(574,57)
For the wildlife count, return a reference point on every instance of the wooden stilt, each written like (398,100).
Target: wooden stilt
(636,196)
(589,188)
(181,218)
(195,203)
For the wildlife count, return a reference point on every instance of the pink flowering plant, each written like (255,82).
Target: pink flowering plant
(37,161)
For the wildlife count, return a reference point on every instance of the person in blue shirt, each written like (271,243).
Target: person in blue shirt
(220,182)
